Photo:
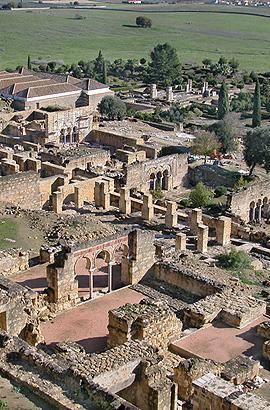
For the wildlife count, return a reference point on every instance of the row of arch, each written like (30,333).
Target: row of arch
(69,135)
(100,272)
(159,180)
(259,210)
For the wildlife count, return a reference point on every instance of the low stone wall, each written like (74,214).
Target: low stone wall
(233,308)
(12,261)
(212,392)
(185,279)
(152,322)
(18,188)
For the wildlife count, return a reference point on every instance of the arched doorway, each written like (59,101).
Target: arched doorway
(159,180)
(119,258)
(152,182)
(82,270)
(252,211)
(102,273)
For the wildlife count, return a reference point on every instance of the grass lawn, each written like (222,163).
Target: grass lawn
(8,230)
(56,33)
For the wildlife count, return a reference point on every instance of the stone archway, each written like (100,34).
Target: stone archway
(82,271)
(120,255)
(102,273)
(252,206)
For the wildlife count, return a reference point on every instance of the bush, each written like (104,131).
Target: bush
(201,195)
(157,193)
(220,190)
(185,203)
(234,260)
(240,183)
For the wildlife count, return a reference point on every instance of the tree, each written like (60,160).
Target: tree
(164,66)
(207,62)
(29,63)
(201,195)
(257,148)
(104,73)
(144,22)
(227,131)
(99,61)
(223,102)
(205,144)
(112,107)
(256,115)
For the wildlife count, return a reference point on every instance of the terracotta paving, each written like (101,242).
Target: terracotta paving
(34,278)
(221,342)
(87,324)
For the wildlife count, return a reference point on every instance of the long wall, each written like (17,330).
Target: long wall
(239,202)
(22,189)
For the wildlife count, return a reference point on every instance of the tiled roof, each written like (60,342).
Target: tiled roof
(51,89)
(90,84)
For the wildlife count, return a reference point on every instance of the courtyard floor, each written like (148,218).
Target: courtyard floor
(221,343)
(87,323)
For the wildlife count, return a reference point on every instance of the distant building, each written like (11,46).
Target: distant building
(34,90)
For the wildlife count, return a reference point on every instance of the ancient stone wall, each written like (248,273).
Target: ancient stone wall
(185,279)
(212,392)
(12,261)
(239,203)
(152,322)
(17,189)
(169,171)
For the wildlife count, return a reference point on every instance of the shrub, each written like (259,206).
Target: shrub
(157,193)
(234,260)
(239,183)
(201,195)
(185,202)
(220,190)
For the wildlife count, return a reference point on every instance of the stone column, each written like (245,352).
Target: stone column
(259,213)
(57,202)
(153,91)
(91,283)
(180,242)
(223,230)
(105,195)
(171,214)
(110,283)
(147,208)
(202,240)
(195,218)
(169,94)
(190,85)
(79,202)
(251,214)
(125,201)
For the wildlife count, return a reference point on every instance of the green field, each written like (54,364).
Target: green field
(56,33)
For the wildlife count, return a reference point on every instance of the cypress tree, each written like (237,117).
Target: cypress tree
(256,115)
(104,73)
(223,102)
(29,63)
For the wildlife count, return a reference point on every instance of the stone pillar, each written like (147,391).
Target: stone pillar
(202,240)
(57,202)
(105,195)
(147,208)
(79,202)
(195,218)
(251,214)
(223,230)
(190,85)
(125,201)
(171,214)
(180,242)
(110,283)
(259,213)
(169,94)
(91,283)
(153,91)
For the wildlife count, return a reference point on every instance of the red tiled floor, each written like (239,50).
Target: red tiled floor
(221,342)
(34,278)
(87,324)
